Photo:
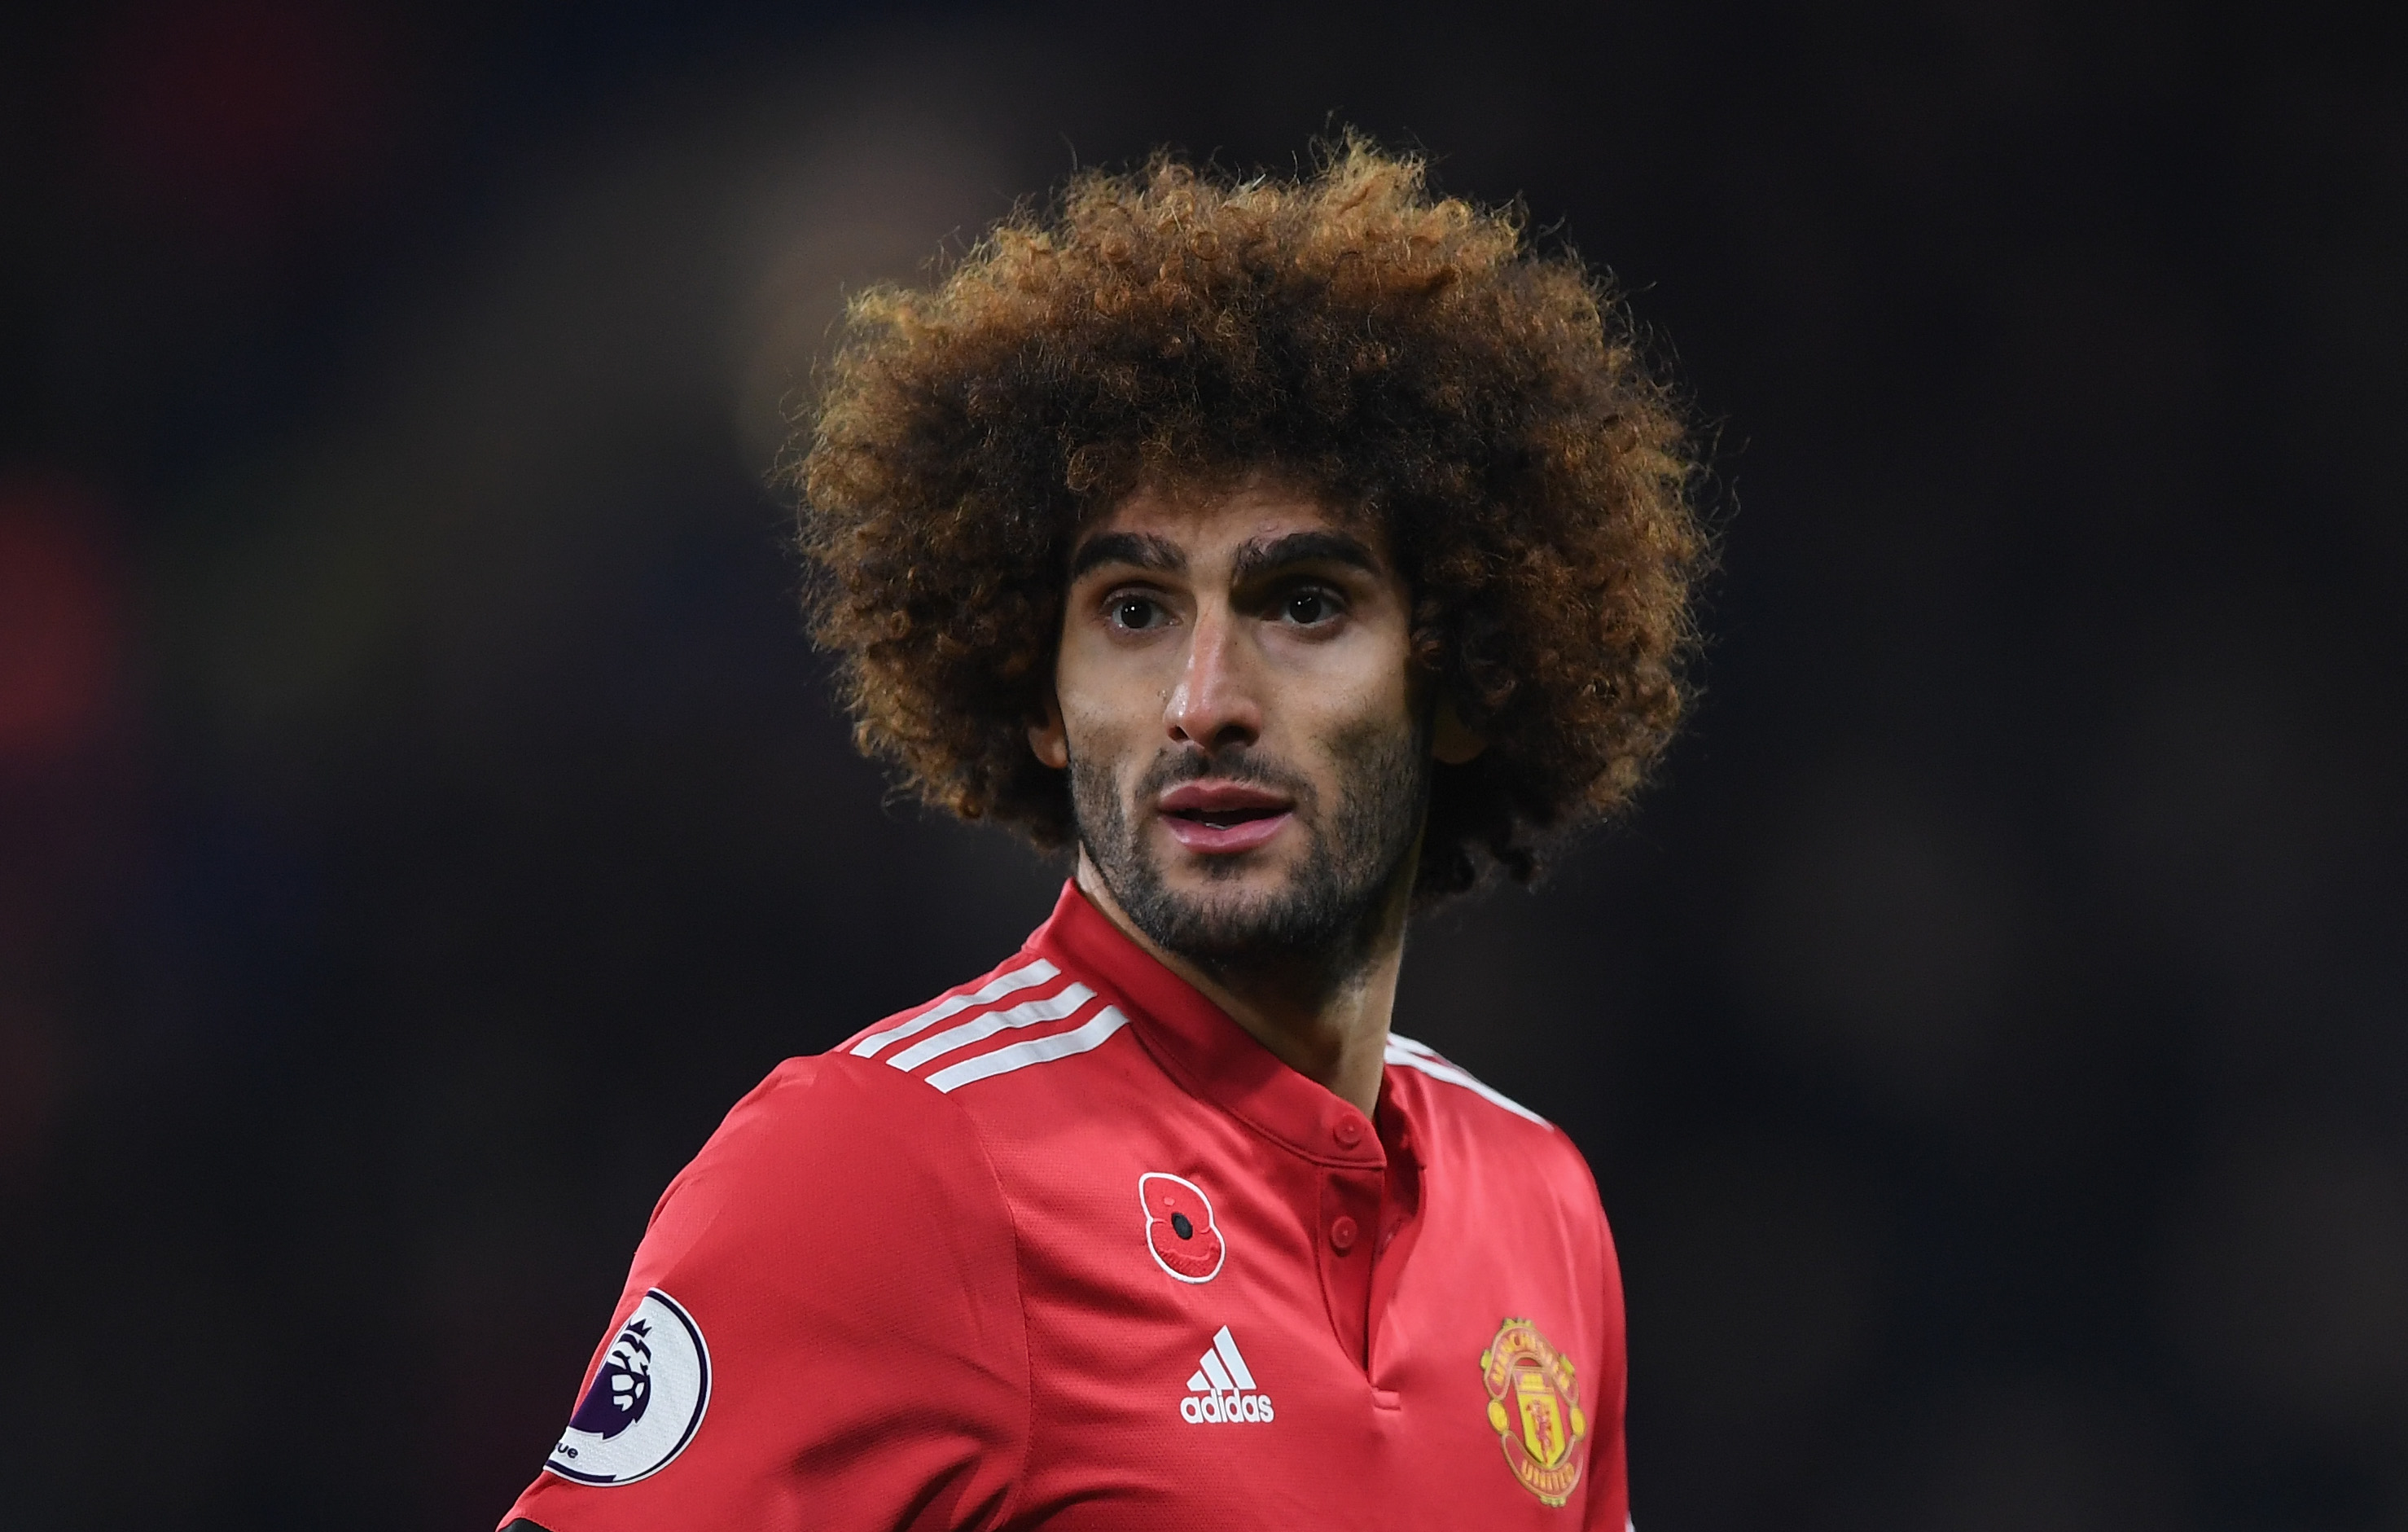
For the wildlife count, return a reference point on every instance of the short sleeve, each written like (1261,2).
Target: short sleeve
(822,1329)
(1608,1498)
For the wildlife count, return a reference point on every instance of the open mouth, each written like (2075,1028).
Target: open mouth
(1222,819)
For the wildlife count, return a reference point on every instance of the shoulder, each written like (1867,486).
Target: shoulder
(842,1265)
(831,1104)
(1511,1161)
(1403,1052)
(877,1118)
(1473,1119)
(1027,1013)
(823,1150)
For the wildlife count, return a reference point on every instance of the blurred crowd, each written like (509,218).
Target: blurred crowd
(421,816)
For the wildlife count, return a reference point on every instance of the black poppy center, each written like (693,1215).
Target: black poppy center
(1180,1226)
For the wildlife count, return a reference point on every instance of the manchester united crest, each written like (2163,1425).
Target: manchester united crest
(1535,1407)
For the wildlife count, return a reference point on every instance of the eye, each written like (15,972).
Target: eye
(1134,613)
(1307,606)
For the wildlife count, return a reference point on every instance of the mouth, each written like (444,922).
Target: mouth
(1223,819)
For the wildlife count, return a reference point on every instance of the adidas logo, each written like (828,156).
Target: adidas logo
(1222,1390)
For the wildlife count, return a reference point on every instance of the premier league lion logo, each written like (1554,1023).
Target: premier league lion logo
(645,1402)
(621,1390)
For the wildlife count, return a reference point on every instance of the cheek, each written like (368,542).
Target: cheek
(1087,713)
(1354,739)
(1352,708)
(1111,703)
(1100,738)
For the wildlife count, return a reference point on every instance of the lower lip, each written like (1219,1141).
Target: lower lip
(1243,835)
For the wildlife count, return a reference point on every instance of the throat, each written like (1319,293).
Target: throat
(1329,1025)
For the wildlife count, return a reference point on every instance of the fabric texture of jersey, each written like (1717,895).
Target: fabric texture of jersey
(1067,1248)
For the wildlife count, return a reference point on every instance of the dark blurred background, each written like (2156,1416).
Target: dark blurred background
(420,818)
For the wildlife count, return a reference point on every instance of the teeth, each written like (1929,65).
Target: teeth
(1222,819)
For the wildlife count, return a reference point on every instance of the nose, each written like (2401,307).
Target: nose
(1214,704)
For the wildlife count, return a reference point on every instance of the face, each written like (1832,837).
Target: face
(1249,767)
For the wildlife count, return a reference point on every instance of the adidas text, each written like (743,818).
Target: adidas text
(1221,1392)
(1225,1408)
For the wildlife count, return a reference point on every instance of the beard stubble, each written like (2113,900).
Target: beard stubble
(1323,926)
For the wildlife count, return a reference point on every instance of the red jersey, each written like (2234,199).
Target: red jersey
(1067,1248)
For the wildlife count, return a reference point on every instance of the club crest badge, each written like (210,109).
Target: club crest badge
(1534,1405)
(1179,1228)
(645,1401)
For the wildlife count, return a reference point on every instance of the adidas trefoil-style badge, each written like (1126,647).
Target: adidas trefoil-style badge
(1534,1405)
(1222,1391)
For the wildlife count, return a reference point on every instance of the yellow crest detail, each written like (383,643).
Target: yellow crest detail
(1534,1407)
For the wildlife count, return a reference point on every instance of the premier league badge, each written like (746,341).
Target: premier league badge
(645,1401)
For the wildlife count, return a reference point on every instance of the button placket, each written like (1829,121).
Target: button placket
(1350,1207)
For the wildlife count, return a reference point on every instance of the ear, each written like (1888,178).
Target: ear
(1048,737)
(1452,740)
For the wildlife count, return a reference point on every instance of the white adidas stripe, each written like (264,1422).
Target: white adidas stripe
(1226,1344)
(1213,1379)
(1222,1369)
(1020,1055)
(1414,1055)
(995,989)
(979,1028)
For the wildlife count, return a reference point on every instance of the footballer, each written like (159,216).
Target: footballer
(1296,554)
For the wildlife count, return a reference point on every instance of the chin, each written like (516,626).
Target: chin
(1226,890)
(1260,873)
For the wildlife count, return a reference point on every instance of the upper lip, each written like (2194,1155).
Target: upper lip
(1221,798)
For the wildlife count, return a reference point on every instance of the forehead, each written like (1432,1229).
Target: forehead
(1210,524)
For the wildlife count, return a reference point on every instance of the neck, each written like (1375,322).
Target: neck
(1331,1033)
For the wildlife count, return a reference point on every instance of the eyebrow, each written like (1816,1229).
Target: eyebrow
(1258,559)
(1142,549)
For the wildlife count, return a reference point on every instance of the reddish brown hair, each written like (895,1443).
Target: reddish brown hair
(1407,360)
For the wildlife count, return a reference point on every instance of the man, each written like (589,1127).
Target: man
(1299,551)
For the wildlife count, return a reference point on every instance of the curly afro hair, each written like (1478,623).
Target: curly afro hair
(1410,362)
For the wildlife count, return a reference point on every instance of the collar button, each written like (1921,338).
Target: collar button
(1348,1131)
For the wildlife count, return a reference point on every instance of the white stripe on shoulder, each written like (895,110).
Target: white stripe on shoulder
(1410,1054)
(993,990)
(1020,1055)
(979,1028)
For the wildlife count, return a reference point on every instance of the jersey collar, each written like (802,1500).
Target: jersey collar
(1199,1045)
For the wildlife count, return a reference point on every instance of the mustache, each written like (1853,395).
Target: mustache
(1236,763)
